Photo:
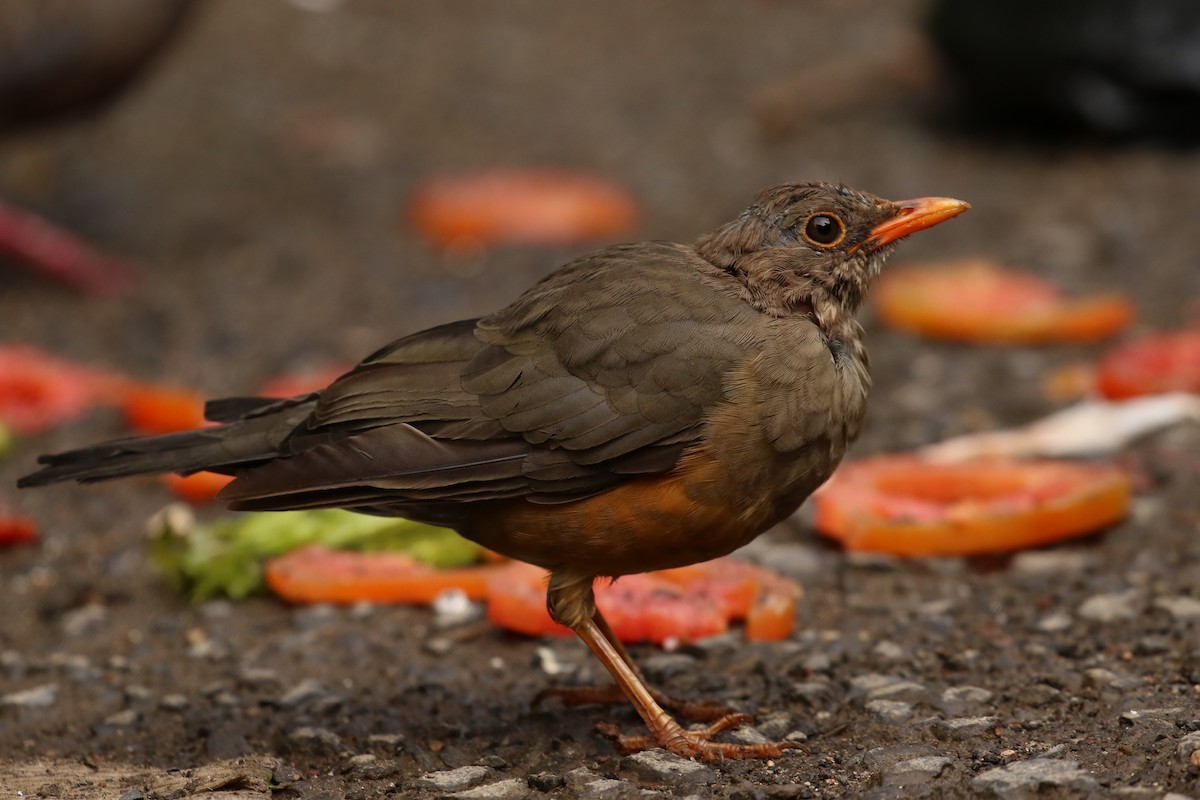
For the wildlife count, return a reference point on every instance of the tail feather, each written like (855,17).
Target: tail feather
(223,448)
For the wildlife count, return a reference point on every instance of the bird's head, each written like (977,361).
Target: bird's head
(801,245)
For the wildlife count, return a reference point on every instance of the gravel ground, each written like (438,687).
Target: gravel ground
(259,175)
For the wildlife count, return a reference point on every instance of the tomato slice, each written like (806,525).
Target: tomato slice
(681,604)
(199,487)
(537,206)
(17,530)
(151,409)
(1166,362)
(293,384)
(316,574)
(902,505)
(39,391)
(978,301)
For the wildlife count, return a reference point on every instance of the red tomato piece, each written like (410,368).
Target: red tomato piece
(681,604)
(539,206)
(17,530)
(1166,362)
(39,391)
(902,505)
(316,574)
(978,301)
(151,409)
(199,487)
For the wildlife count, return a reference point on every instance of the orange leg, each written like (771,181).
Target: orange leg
(572,603)
(692,710)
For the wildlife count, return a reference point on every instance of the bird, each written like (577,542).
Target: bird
(645,406)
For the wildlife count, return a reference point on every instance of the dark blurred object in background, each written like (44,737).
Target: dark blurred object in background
(61,59)
(66,57)
(1117,68)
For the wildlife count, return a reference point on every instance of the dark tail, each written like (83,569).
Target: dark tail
(254,437)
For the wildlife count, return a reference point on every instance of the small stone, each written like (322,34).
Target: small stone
(438,645)
(809,690)
(659,766)
(1054,622)
(318,739)
(1111,607)
(862,685)
(1188,749)
(1098,677)
(914,771)
(510,789)
(1053,563)
(258,676)
(174,701)
(546,781)
(83,620)
(964,727)
(42,696)
(883,758)
(957,699)
(606,789)
(748,735)
(904,691)
(126,718)
(661,667)
(889,651)
(1180,607)
(135,794)
(391,742)
(306,690)
(454,780)
(1024,779)
(890,710)
(492,760)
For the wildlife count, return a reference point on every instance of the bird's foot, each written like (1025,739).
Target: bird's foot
(696,744)
(693,710)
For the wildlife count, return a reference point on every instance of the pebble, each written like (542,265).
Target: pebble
(957,699)
(392,742)
(1111,607)
(83,620)
(809,690)
(1188,749)
(661,667)
(1024,779)
(1098,677)
(659,766)
(880,759)
(1180,607)
(914,771)
(862,685)
(306,690)
(606,789)
(1054,622)
(904,691)
(964,727)
(318,739)
(454,780)
(42,696)
(510,789)
(1051,563)
(174,701)
(546,781)
(889,652)
(125,718)
(890,710)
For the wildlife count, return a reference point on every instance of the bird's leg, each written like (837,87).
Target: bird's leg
(692,710)
(572,603)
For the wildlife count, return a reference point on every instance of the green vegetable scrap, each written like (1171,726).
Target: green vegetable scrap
(225,556)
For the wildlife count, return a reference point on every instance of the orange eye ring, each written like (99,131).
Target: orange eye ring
(824,230)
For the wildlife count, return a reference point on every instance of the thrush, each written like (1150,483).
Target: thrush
(646,406)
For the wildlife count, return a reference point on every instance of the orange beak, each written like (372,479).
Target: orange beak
(912,216)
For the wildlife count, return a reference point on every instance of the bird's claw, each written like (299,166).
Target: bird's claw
(696,744)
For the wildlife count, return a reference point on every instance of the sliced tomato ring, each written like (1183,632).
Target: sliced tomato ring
(39,391)
(1166,362)
(150,409)
(537,206)
(199,487)
(977,301)
(681,604)
(904,506)
(316,574)
(17,530)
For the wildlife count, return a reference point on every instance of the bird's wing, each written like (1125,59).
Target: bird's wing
(603,371)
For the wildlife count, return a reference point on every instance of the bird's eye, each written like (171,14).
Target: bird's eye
(824,230)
